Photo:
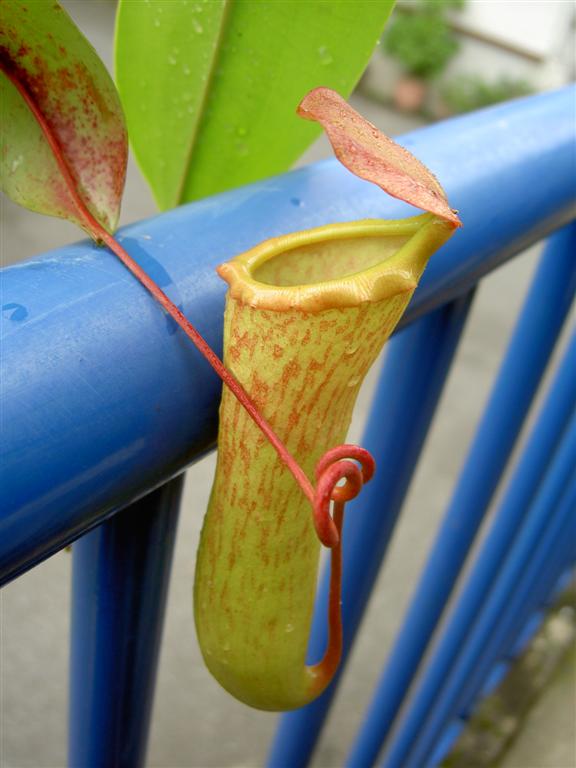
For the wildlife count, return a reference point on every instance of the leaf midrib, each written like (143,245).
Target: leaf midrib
(196,125)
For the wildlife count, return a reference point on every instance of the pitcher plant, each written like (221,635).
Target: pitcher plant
(306,315)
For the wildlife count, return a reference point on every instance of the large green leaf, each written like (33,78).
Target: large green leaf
(210,89)
(63,144)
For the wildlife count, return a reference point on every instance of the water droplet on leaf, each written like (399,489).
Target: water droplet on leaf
(325,55)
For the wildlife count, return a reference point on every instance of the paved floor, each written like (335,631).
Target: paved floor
(196,724)
(543,741)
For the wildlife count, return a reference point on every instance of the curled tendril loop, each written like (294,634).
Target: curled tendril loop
(351,463)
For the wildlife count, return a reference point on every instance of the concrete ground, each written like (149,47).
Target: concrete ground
(195,723)
(550,721)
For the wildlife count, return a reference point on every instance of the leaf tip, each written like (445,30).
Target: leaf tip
(373,156)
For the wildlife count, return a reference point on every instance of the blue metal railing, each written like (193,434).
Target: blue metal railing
(103,402)
(524,363)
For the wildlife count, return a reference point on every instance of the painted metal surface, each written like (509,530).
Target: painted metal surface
(103,400)
(526,358)
(550,521)
(528,474)
(119,586)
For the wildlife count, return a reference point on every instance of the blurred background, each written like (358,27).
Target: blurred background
(437,58)
(445,57)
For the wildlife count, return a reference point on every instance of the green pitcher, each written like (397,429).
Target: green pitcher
(306,316)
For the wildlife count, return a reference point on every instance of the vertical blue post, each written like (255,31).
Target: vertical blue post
(554,576)
(527,476)
(120,578)
(532,342)
(415,369)
(540,572)
(550,520)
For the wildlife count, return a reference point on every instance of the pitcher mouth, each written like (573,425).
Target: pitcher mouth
(338,265)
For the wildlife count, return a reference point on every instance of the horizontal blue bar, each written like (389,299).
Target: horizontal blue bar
(103,399)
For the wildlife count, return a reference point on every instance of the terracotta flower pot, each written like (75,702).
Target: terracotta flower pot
(409,94)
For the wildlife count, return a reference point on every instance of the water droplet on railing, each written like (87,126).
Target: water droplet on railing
(15,312)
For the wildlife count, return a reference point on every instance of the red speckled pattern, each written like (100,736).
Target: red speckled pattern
(44,55)
(257,564)
(371,155)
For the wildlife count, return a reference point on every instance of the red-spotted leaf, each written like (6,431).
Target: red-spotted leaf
(371,155)
(63,143)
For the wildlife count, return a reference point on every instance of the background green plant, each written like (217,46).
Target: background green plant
(469,92)
(420,37)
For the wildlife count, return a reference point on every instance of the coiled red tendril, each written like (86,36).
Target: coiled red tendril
(338,464)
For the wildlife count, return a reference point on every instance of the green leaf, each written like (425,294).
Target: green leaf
(210,89)
(63,144)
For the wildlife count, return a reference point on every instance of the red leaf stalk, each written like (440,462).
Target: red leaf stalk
(332,468)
